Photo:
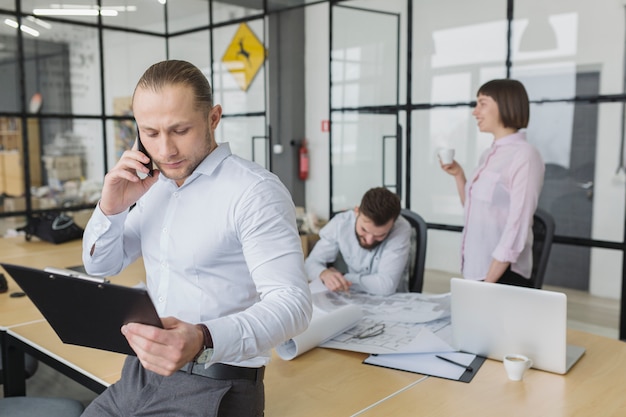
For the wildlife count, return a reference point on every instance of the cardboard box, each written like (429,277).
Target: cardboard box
(2,178)
(308,241)
(19,203)
(14,204)
(63,168)
(12,173)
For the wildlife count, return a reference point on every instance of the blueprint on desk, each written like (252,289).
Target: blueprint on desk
(410,322)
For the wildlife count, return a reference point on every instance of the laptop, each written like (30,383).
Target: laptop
(493,320)
(85,310)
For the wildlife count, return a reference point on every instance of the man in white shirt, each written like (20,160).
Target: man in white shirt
(373,241)
(220,246)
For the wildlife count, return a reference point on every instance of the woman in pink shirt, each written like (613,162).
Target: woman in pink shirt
(501,196)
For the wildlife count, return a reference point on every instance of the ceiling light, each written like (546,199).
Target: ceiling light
(82,10)
(74,12)
(39,22)
(122,8)
(23,28)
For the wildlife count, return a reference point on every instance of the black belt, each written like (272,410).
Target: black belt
(224,371)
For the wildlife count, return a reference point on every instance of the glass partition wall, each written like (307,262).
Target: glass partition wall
(68,76)
(575,80)
(573,69)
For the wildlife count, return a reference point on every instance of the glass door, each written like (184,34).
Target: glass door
(365,137)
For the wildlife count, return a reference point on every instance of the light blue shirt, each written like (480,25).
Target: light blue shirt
(222,249)
(382,270)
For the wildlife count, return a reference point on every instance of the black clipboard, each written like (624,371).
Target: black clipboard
(419,363)
(85,310)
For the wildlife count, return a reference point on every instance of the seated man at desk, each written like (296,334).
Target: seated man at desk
(223,260)
(374,242)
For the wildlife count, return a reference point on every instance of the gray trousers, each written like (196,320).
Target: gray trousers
(144,393)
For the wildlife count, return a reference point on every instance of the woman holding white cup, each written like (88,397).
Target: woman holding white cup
(501,195)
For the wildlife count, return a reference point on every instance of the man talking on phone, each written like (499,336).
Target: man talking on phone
(221,250)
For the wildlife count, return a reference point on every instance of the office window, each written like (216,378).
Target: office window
(126,57)
(364,150)
(10,99)
(63,67)
(186,14)
(143,15)
(224,12)
(454,37)
(7,5)
(557,42)
(121,135)
(66,11)
(194,47)
(364,62)
(63,154)
(247,138)
(236,93)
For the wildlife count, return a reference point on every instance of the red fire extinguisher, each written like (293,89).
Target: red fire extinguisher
(303,161)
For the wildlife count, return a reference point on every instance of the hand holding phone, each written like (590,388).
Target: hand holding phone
(141,148)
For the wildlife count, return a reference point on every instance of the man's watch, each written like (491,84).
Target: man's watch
(206,353)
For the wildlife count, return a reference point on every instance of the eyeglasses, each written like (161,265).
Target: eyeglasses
(372,331)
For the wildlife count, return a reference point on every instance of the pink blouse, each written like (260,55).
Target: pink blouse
(501,198)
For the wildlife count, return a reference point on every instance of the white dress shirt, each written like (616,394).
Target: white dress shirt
(222,249)
(382,270)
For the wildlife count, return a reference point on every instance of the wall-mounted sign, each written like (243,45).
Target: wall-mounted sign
(244,56)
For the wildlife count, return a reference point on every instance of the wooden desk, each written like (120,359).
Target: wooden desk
(329,383)
(326,382)
(35,335)
(36,254)
(93,368)
(321,382)
(593,387)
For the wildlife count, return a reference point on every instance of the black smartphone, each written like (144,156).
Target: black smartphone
(141,148)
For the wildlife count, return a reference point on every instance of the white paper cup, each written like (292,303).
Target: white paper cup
(446,155)
(516,365)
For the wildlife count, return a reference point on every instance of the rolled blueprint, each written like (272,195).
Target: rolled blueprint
(323,326)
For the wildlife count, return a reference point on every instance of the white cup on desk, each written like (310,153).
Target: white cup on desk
(516,365)
(446,155)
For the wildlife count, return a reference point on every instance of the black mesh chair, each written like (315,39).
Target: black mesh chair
(417,258)
(543,231)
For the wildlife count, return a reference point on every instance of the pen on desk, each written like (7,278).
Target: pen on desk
(467,368)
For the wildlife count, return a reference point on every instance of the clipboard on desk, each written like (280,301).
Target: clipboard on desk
(85,310)
(456,366)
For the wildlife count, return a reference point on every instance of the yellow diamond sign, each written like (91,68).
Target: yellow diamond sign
(244,56)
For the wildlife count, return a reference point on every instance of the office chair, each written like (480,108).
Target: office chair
(543,231)
(417,257)
(40,407)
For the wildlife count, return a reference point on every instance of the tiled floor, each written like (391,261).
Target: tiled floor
(585,312)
